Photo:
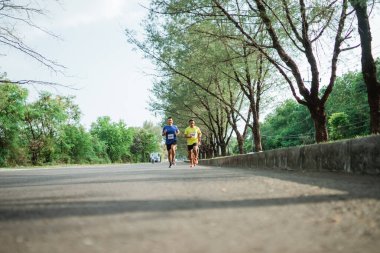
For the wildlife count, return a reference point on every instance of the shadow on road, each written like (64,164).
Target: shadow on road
(353,187)
(22,210)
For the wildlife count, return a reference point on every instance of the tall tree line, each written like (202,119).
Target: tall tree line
(241,54)
(48,131)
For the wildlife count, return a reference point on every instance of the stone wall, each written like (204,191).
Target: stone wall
(361,155)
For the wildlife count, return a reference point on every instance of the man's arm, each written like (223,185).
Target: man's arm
(186,134)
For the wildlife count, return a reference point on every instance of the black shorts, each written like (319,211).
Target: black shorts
(169,146)
(190,147)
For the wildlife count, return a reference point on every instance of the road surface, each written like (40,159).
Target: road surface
(152,208)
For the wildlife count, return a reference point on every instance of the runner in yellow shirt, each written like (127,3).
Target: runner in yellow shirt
(193,135)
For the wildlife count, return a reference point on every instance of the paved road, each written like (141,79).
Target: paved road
(151,208)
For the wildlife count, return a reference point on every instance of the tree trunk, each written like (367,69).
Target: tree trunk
(214,147)
(240,141)
(223,149)
(34,158)
(320,122)
(368,64)
(210,151)
(257,135)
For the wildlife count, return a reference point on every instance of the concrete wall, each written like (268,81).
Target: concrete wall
(360,155)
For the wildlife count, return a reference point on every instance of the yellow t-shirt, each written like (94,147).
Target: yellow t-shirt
(194,132)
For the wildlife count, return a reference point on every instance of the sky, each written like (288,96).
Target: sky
(110,78)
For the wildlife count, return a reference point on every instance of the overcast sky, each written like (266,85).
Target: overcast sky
(113,80)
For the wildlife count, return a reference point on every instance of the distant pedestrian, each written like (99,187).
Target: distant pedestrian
(170,132)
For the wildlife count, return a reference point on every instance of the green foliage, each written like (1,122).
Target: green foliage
(350,98)
(116,137)
(47,131)
(347,110)
(289,125)
(12,100)
(75,145)
(100,151)
(338,123)
(144,143)
(198,80)
(45,119)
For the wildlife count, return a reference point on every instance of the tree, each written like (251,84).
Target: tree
(347,108)
(12,109)
(144,142)
(44,120)
(368,63)
(252,77)
(289,35)
(116,137)
(200,55)
(293,30)
(181,99)
(75,145)
(183,92)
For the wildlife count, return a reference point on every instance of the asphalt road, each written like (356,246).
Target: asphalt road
(152,208)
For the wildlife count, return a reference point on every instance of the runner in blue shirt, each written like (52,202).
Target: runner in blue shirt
(170,132)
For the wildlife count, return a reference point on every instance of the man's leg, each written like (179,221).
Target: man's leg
(189,156)
(196,151)
(169,155)
(170,164)
(173,149)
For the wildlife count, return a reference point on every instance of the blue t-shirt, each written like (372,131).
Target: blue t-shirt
(171,135)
